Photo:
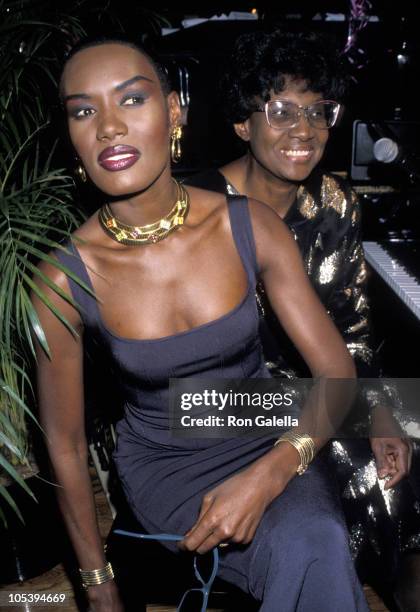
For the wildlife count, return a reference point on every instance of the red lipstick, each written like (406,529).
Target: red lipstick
(119,157)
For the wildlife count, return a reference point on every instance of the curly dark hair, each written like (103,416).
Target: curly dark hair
(262,62)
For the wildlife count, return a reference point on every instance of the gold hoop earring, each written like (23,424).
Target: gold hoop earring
(80,172)
(176,144)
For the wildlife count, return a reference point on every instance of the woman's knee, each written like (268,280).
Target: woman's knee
(328,532)
(315,538)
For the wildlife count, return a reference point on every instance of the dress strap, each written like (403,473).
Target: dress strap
(240,221)
(88,304)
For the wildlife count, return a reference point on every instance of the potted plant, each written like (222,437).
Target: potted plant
(36,211)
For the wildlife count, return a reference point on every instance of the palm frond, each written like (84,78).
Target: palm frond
(36,208)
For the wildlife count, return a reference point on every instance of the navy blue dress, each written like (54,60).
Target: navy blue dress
(299,559)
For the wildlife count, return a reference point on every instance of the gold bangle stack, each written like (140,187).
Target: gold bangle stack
(98,576)
(304,445)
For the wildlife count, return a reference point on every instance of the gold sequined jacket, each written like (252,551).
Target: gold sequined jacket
(325,221)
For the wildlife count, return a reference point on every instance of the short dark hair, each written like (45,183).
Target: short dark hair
(87,43)
(261,62)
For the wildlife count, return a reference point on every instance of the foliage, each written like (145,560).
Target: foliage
(36,197)
(36,209)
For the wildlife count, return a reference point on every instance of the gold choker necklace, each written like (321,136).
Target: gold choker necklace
(146,234)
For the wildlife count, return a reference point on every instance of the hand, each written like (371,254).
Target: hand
(231,512)
(393,458)
(104,598)
(392,450)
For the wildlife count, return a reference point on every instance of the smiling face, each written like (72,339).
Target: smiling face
(118,117)
(289,154)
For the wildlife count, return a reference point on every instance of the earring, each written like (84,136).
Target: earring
(176,144)
(80,172)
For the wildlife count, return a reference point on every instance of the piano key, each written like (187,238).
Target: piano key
(395,274)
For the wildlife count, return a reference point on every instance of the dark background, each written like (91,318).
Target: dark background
(384,64)
(384,61)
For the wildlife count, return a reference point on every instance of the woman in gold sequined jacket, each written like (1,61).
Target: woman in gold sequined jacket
(282,93)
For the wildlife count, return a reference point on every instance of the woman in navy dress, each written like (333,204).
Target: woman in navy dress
(149,257)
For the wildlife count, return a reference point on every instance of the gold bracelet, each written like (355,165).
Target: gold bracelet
(98,576)
(304,445)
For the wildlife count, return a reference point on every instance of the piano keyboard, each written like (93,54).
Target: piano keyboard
(395,275)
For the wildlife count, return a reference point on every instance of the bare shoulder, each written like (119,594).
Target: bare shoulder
(273,239)
(205,197)
(265,221)
(85,237)
(206,205)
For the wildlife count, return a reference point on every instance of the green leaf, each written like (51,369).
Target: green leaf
(9,499)
(5,424)
(10,445)
(51,306)
(42,226)
(7,389)
(2,515)
(15,475)
(30,321)
(57,264)
(66,296)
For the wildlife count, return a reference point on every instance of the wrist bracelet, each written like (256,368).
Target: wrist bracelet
(98,576)
(304,445)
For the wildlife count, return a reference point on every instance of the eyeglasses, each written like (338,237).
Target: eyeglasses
(206,584)
(282,114)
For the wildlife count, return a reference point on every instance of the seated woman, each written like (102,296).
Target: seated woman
(149,257)
(282,94)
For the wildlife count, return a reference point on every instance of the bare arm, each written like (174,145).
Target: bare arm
(61,403)
(305,320)
(293,299)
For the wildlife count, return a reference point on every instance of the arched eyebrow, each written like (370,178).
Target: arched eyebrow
(118,87)
(129,82)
